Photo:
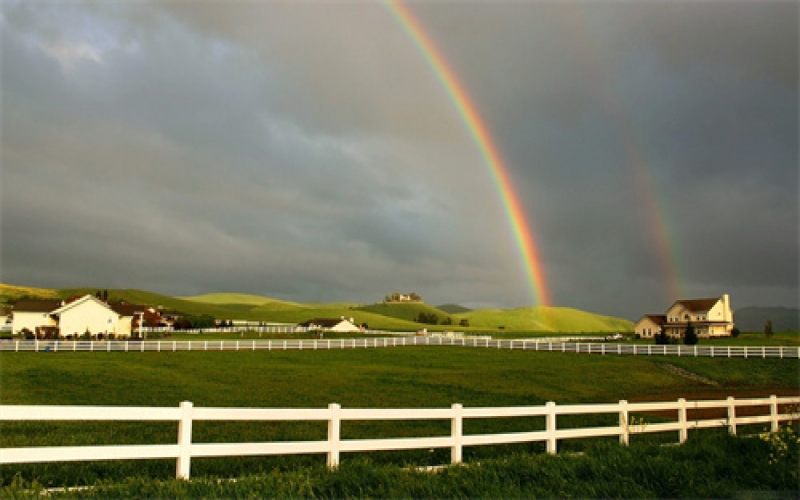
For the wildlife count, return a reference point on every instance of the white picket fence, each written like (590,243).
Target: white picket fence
(772,410)
(572,345)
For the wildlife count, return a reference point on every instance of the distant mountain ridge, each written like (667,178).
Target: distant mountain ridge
(753,319)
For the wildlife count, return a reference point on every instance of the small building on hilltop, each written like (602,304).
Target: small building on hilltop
(711,317)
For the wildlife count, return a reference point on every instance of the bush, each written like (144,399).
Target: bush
(690,336)
(662,338)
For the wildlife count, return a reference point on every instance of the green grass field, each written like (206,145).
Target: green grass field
(381,378)
(707,466)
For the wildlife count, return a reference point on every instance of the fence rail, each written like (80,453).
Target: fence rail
(773,411)
(551,345)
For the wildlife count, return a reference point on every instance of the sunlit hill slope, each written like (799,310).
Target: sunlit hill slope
(388,316)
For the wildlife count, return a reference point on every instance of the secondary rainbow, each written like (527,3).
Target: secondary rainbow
(469,114)
(650,203)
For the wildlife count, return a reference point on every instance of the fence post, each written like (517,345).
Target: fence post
(184,441)
(731,416)
(684,430)
(773,413)
(550,425)
(624,436)
(334,434)
(457,431)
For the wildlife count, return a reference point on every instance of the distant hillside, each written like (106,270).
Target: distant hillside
(399,316)
(408,311)
(243,299)
(546,319)
(753,319)
(12,293)
(453,308)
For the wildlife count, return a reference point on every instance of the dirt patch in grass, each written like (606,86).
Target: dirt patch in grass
(690,375)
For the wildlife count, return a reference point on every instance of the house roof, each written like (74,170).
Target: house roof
(698,304)
(37,305)
(323,322)
(125,309)
(659,319)
(82,300)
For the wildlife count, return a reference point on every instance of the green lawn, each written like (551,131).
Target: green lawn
(392,377)
(381,378)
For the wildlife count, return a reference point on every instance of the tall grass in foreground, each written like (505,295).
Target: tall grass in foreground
(708,465)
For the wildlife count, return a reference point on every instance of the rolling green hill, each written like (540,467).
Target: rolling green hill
(255,301)
(408,311)
(453,308)
(392,316)
(538,318)
(12,293)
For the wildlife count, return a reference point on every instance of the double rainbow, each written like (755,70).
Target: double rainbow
(525,240)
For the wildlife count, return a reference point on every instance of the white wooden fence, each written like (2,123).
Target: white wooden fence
(553,345)
(773,410)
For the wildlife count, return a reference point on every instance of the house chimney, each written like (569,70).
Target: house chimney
(726,304)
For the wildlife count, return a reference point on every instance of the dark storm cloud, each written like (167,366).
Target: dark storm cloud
(308,152)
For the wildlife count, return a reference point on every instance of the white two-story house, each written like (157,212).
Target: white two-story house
(710,318)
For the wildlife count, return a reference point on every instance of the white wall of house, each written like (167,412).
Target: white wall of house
(717,321)
(646,328)
(87,315)
(124,326)
(721,310)
(30,320)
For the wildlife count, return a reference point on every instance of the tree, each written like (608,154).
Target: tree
(463,322)
(430,319)
(735,332)
(447,321)
(662,338)
(768,329)
(690,336)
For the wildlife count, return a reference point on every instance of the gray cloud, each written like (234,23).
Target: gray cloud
(308,152)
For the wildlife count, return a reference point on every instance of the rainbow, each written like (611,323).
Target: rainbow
(650,204)
(525,240)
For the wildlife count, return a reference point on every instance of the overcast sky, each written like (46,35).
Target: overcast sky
(307,152)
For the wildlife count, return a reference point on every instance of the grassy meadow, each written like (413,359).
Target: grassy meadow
(383,378)
(717,465)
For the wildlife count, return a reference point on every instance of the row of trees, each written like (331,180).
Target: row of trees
(433,319)
(195,322)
